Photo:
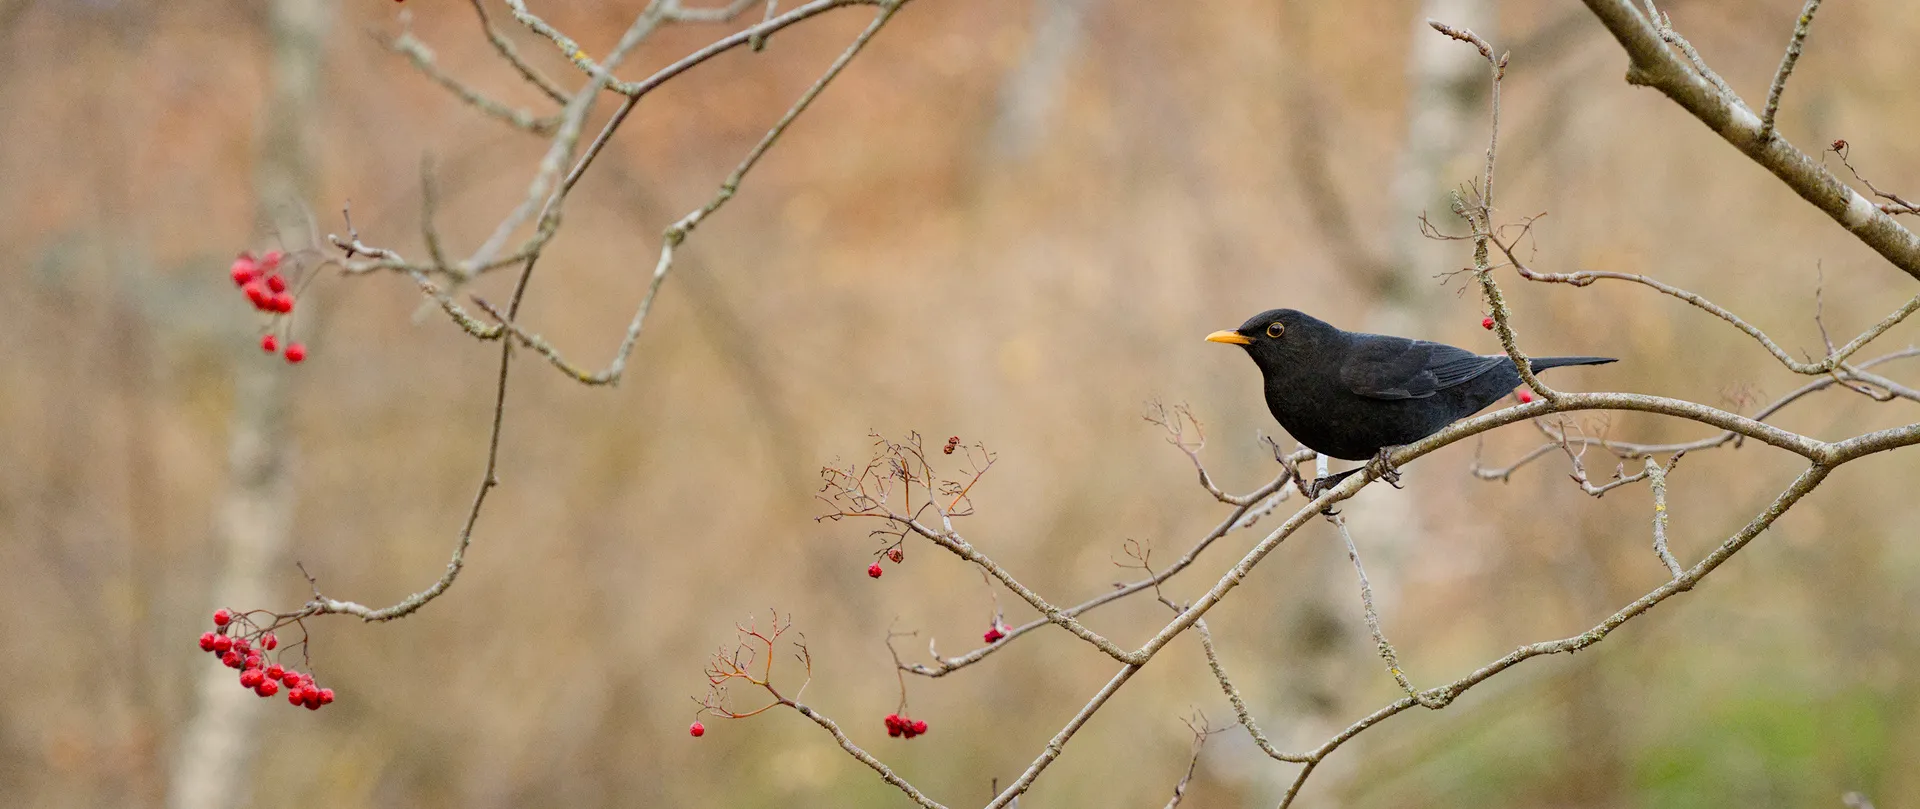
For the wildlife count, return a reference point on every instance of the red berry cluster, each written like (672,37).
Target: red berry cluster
(898,725)
(256,673)
(266,288)
(994,633)
(893,554)
(951,444)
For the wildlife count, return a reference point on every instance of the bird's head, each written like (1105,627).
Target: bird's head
(1277,338)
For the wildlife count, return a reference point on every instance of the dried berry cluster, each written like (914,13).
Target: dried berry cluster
(898,725)
(952,443)
(249,654)
(266,288)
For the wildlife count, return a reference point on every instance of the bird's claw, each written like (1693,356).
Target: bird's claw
(1382,468)
(1322,484)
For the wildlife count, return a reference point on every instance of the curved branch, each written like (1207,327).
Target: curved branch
(1442,696)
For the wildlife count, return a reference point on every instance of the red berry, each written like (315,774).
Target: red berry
(207,640)
(326,696)
(254,661)
(232,659)
(280,302)
(252,678)
(1526,396)
(277,282)
(296,352)
(1486,323)
(257,294)
(268,641)
(221,617)
(269,344)
(267,688)
(243,270)
(919,726)
(896,555)
(242,646)
(295,696)
(993,634)
(274,672)
(310,697)
(697,730)
(222,644)
(292,679)
(271,260)
(875,570)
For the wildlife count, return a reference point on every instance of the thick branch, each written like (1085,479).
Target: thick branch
(1655,65)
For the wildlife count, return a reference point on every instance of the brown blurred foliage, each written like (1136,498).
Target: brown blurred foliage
(890,267)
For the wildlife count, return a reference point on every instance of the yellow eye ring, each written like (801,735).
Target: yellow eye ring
(1275,329)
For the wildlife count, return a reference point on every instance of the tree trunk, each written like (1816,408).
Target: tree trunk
(254,519)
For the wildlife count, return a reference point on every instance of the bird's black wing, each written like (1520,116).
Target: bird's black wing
(1381,367)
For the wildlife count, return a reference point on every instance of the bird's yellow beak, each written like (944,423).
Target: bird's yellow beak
(1232,337)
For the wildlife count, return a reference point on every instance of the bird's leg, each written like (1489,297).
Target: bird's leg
(1382,466)
(1322,484)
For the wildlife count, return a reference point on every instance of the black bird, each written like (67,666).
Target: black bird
(1356,396)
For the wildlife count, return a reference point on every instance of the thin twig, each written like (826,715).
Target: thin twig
(1239,704)
(1787,61)
(489,479)
(423,60)
(1445,695)
(1658,475)
(678,232)
(1833,359)
(1372,616)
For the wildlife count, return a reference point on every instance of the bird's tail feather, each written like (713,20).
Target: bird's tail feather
(1543,363)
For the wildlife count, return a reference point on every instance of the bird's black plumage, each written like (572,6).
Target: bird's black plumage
(1350,395)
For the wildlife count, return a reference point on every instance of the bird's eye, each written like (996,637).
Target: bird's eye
(1275,329)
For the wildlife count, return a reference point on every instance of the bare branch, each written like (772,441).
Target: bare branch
(1443,696)
(678,232)
(1658,475)
(422,58)
(886,773)
(321,605)
(1785,70)
(1834,359)
(1380,644)
(508,52)
(1652,64)
(1059,741)
(1240,705)
(1630,451)
(1200,735)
